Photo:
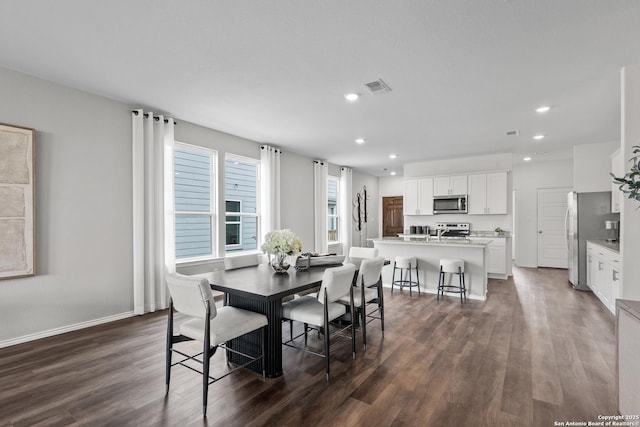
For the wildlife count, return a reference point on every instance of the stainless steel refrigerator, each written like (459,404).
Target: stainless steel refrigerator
(586,214)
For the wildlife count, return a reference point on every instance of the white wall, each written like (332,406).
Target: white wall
(553,172)
(462,165)
(591,166)
(83,209)
(629,212)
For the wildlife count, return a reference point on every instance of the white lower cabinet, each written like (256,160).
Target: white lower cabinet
(498,256)
(604,275)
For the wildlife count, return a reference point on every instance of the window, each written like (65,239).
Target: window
(233,223)
(332,206)
(241,204)
(194,188)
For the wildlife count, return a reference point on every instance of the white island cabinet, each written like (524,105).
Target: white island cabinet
(499,261)
(429,254)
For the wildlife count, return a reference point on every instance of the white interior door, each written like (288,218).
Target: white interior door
(552,239)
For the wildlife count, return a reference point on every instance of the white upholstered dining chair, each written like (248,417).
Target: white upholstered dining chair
(359,252)
(212,326)
(240,261)
(318,311)
(368,290)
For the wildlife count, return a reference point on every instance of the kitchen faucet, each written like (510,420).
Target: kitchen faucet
(441,231)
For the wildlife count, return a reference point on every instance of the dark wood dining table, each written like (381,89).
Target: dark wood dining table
(260,289)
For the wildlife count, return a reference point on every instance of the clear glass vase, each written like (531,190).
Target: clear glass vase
(279,262)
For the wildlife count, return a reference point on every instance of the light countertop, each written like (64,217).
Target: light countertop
(614,246)
(433,241)
(632,307)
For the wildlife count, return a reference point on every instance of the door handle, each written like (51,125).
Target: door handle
(539,231)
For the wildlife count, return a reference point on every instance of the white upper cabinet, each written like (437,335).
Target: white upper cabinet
(487,193)
(450,185)
(617,168)
(497,193)
(418,196)
(477,199)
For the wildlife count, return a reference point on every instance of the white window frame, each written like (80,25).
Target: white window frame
(231,156)
(335,216)
(213,208)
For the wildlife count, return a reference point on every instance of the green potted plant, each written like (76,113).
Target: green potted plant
(498,231)
(629,184)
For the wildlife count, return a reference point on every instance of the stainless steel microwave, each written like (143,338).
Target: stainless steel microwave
(450,204)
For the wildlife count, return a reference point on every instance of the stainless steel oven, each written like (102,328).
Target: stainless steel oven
(450,204)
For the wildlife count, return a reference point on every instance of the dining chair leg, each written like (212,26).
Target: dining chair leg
(264,365)
(363,315)
(306,331)
(381,305)
(353,329)
(169,345)
(205,376)
(291,330)
(326,338)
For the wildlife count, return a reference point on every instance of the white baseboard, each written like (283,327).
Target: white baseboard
(64,329)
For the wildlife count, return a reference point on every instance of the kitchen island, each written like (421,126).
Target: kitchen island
(429,253)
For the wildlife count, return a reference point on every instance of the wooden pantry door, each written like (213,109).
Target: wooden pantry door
(392,216)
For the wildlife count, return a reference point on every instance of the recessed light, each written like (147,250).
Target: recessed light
(392,156)
(538,137)
(393,173)
(351,96)
(543,109)
(359,140)
(527,159)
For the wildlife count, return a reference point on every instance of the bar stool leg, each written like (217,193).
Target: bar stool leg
(393,276)
(418,277)
(410,283)
(460,279)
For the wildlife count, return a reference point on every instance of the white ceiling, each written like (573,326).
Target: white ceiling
(463,72)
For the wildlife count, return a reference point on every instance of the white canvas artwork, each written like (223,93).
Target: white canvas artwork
(17,203)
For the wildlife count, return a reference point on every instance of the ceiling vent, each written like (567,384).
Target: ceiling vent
(513,133)
(378,86)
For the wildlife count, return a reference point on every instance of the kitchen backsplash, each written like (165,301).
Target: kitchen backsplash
(478,222)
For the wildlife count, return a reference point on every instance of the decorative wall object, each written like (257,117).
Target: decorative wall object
(360,214)
(17,201)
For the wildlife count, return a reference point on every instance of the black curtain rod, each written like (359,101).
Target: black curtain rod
(155,117)
(262,147)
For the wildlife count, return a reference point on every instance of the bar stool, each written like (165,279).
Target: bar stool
(452,266)
(407,263)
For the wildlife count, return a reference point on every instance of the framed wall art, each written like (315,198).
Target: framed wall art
(17,201)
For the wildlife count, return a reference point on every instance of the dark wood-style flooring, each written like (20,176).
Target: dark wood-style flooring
(535,352)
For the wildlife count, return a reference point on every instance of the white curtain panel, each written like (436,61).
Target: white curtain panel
(320,175)
(346,194)
(269,190)
(153,210)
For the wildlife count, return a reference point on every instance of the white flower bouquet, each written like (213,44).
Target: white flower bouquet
(278,244)
(281,241)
